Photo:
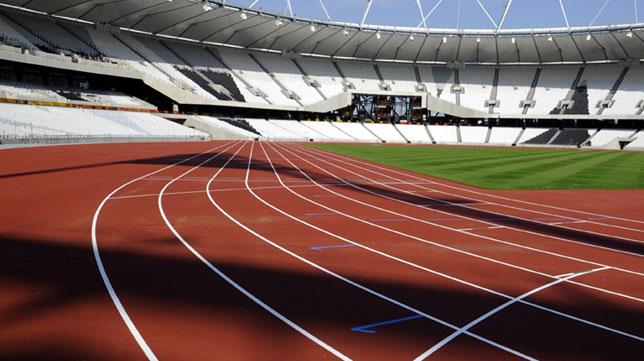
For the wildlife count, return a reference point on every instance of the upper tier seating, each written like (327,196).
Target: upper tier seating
(165,60)
(414,133)
(386,132)
(52,34)
(248,69)
(630,93)
(290,76)
(361,74)
(599,79)
(325,73)
(400,77)
(554,85)
(514,86)
(477,85)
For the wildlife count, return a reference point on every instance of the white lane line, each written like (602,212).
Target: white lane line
(101,267)
(483,221)
(222,274)
(331,273)
(498,309)
(328,189)
(494,196)
(414,265)
(146,195)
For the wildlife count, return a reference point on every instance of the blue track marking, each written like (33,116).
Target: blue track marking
(320,214)
(388,220)
(319,248)
(368,328)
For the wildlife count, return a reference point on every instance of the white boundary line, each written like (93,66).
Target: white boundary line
(429,181)
(587,322)
(498,309)
(101,267)
(483,221)
(454,229)
(221,274)
(331,273)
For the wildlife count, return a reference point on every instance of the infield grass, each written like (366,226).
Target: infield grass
(509,168)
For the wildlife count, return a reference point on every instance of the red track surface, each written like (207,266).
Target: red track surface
(295,250)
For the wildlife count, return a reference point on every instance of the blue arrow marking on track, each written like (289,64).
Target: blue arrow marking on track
(319,248)
(367,328)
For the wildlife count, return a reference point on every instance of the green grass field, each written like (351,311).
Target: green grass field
(509,168)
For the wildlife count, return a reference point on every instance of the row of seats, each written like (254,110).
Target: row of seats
(271,78)
(29,121)
(22,91)
(324,131)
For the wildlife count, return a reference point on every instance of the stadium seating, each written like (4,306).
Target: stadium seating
(630,93)
(290,76)
(554,84)
(270,131)
(514,86)
(537,136)
(386,132)
(572,136)
(473,135)
(29,121)
(504,135)
(329,130)
(443,134)
(357,131)
(416,134)
(477,86)
(605,136)
(638,143)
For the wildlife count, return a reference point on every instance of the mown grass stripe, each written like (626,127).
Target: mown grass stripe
(510,168)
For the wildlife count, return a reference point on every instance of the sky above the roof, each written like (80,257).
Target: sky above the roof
(464,14)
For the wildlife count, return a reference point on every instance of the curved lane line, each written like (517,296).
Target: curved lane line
(222,274)
(101,267)
(430,181)
(550,310)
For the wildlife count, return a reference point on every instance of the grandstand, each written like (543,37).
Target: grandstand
(436,96)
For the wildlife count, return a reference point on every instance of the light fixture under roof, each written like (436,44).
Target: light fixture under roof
(589,37)
(629,34)
(514,40)
(411,37)
(444,39)
(378,35)
(243,15)
(312,28)
(550,38)
(478,40)
(206,6)
(345,32)
(279,22)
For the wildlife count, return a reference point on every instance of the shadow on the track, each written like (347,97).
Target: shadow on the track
(450,204)
(155,281)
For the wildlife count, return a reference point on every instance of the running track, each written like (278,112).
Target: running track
(248,250)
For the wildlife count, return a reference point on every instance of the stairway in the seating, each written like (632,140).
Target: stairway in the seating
(614,89)
(306,76)
(221,61)
(284,89)
(531,92)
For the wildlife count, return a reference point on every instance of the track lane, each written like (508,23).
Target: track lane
(484,217)
(354,227)
(495,251)
(460,191)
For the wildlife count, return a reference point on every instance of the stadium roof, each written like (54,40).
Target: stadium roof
(221,23)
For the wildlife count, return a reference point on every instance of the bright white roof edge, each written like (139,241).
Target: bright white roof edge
(437,31)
